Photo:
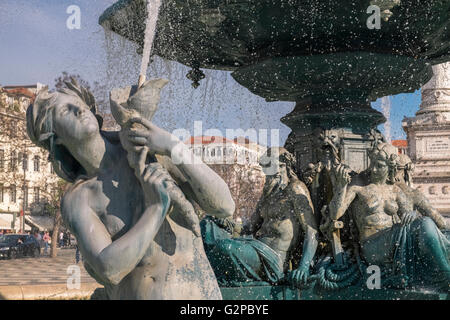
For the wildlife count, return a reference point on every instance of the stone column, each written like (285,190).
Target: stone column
(429,139)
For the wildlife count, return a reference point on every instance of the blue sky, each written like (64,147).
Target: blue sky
(36,46)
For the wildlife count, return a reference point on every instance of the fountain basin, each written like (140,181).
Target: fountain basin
(284,50)
(320,54)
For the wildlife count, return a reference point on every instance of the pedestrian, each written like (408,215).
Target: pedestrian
(65,239)
(46,239)
(77,254)
(61,239)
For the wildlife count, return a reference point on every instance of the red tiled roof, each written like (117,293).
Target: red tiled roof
(217,139)
(400,143)
(22,92)
(204,140)
(242,140)
(208,140)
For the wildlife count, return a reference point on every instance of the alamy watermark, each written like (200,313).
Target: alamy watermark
(374,280)
(74,19)
(74,277)
(374,21)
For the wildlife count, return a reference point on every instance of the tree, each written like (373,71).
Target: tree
(101,94)
(18,157)
(99,90)
(53,207)
(66,77)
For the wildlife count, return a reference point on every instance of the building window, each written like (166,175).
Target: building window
(13,130)
(36,163)
(24,162)
(13,163)
(25,197)
(36,195)
(2,159)
(13,194)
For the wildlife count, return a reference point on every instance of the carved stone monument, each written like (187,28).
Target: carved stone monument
(429,140)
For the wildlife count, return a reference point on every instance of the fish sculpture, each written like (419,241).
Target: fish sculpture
(131,103)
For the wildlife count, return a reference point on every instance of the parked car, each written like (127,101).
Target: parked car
(18,245)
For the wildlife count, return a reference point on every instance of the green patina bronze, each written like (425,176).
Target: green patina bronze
(282,230)
(242,261)
(304,44)
(392,227)
(320,54)
(323,56)
(137,230)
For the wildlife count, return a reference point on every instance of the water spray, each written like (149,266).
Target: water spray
(386,109)
(153,7)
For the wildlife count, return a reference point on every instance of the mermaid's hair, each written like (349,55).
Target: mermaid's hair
(40,128)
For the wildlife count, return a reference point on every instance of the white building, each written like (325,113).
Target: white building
(27,179)
(220,150)
(237,162)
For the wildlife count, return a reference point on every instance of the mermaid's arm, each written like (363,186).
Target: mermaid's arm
(304,212)
(110,260)
(343,194)
(211,192)
(341,201)
(405,208)
(423,205)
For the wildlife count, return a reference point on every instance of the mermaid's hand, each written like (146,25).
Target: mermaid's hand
(409,217)
(157,140)
(156,184)
(299,277)
(340,176)
(226,224)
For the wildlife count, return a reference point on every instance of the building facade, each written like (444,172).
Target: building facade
(237,162)
(429,140)
(401,145)
(27,180)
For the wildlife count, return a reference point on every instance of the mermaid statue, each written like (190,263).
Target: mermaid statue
(132,217)
(396,227)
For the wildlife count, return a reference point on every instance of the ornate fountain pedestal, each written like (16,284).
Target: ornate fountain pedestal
(346,123)
(429,140)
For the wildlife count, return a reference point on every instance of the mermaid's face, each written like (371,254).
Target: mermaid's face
(73,120)
(379,171)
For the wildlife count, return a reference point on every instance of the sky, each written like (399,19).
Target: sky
(37,46)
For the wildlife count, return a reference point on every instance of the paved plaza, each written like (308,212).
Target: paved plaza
(41,270)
